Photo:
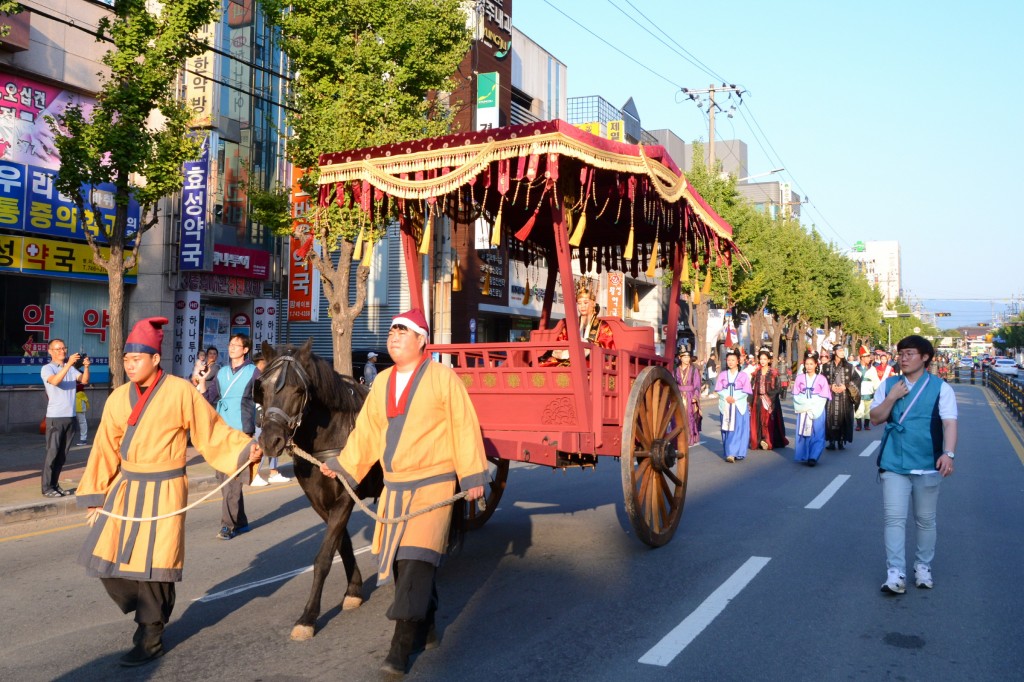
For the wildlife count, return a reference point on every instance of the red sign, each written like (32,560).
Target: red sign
(96,322)
(38,319)
(236,261)
(615,294)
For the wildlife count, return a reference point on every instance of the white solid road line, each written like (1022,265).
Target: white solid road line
(871,448)
(680,637)
(214,596)
(826,494)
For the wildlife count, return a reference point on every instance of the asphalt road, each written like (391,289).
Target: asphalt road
(755,584)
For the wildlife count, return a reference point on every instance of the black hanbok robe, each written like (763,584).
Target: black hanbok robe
(839,411)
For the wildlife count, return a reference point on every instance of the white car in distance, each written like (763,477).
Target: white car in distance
(1005,366)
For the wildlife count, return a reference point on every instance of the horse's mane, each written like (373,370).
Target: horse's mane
(336,392)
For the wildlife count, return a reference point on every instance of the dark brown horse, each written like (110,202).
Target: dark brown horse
(306,402)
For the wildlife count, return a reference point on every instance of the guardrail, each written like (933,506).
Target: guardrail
(1009,392)
(961,374)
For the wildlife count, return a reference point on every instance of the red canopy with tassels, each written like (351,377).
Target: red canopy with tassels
(556,188)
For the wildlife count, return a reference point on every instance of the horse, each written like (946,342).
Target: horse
(306,402)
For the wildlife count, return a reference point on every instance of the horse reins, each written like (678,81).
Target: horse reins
(291,425)
(292,449)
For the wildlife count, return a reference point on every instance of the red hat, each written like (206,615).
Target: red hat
(414,320)
(147,336)
(864,351)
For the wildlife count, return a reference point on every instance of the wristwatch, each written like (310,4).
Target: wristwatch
(950,454)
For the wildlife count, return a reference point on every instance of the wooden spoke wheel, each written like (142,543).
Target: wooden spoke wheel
(655,461)
(475,515)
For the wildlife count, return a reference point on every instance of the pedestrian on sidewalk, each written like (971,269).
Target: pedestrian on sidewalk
(918,448)
(232,395)
(370,368)
(60,377)
(137,469)
(81,408)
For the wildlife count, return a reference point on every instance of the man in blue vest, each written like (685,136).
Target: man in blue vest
(918,447)
(231,393)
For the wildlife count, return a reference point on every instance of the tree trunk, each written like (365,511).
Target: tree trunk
(701,331)
(757,325)
(115,331)
(336,290)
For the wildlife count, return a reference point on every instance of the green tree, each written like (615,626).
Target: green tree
(8,7)
(136,137)
(367,73)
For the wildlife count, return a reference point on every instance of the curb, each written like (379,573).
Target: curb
(49,508)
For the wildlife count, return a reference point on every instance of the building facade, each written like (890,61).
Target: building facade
(205,266)
(880,262)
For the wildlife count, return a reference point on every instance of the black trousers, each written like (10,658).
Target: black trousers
(232,508)
(58,440)
(415,590)
(152,602)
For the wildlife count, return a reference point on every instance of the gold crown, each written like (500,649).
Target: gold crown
(585,286)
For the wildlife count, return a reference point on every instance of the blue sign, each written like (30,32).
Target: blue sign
(194,254)
(29,202)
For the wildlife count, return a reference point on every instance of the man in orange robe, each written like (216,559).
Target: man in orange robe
(137,469)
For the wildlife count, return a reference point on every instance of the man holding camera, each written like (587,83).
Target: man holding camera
(59,379)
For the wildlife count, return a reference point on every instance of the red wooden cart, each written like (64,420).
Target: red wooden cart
(556,194)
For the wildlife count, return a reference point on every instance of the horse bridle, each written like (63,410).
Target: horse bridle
(289,422)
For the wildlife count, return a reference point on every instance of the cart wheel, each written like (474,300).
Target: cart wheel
(655,446)
(474,516)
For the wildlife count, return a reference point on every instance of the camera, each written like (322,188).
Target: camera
(80,363)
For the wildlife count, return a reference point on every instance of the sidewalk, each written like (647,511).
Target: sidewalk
(21,461)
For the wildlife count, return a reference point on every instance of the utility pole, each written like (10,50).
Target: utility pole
(697,95)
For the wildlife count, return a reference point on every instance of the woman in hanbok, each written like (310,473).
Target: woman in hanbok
(811,393)
(592,329)
(733,389)
(767,431)
(689,380)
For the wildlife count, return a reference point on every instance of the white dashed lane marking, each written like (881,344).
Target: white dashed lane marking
(680,637)
(830,490)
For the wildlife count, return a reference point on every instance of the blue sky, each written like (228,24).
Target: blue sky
(898,120)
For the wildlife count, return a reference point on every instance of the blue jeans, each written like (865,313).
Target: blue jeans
(897,491)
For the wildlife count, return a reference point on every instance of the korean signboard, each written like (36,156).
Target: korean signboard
(487,101)
(617,130)
(186,332)
(48,258)
(264,322)
(594,127)
(29,202)
(303,278)
(616,291)
(193,253)
(240,262)
(200,90)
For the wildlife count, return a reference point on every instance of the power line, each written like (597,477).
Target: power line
(681,51)
(624,54)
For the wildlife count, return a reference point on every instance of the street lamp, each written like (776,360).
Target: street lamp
(725,176)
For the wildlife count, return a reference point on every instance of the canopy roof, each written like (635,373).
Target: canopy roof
(619,199)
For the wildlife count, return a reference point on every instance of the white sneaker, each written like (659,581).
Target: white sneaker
(923,576)
(895,582)
(278,478)
(259,482)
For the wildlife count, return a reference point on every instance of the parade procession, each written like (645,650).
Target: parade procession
(372,340)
